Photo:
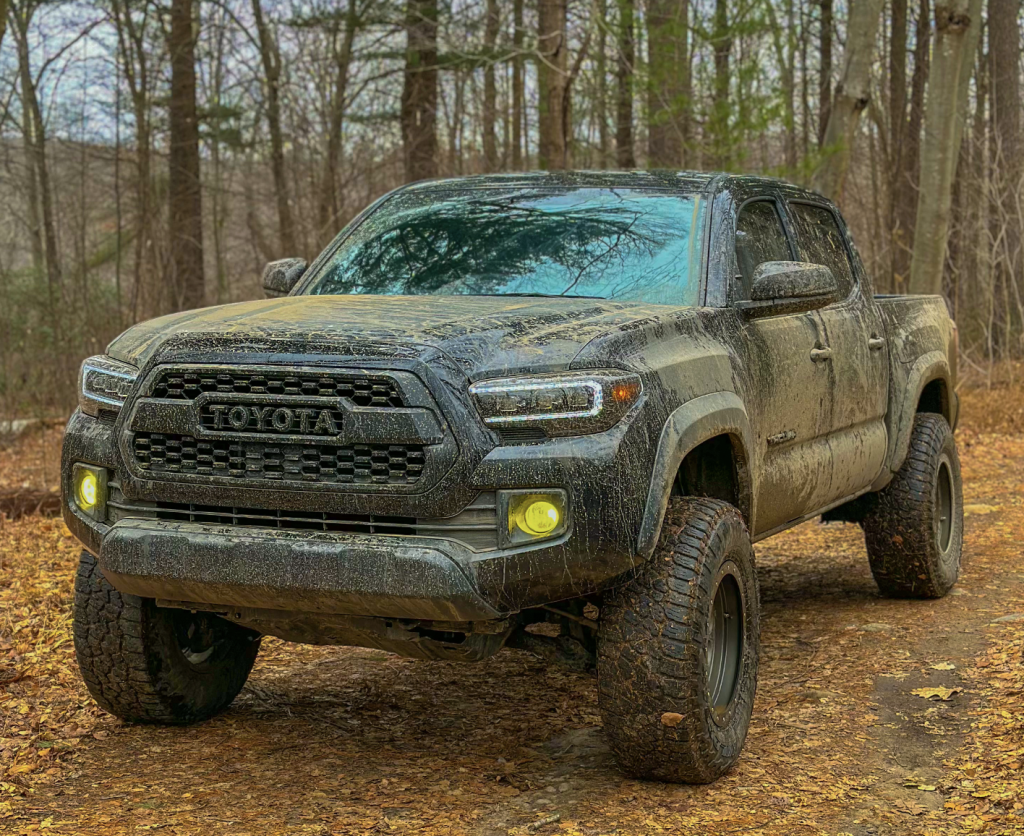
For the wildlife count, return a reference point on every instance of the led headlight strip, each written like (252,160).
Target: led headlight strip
(565,404)
(104,383)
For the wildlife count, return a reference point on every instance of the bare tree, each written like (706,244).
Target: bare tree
(38,169)
(184,186)
(907,153)
(419,94)
(553,84)
(668,94)
(342,27)
(719,121)
(518,110)
(624,155)
(825,68)
(957,27)
(1007,147)
(853,93)
(492,24)
(270,56)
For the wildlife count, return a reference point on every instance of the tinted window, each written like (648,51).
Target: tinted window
(819,241)
(606,243)
(760,237)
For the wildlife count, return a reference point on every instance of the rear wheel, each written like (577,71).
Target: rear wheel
(151,664)
(678,649)
(914,530)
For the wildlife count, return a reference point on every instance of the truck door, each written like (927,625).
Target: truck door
(856,360)
(785,391)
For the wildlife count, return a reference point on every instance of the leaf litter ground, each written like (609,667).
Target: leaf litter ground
(872,716)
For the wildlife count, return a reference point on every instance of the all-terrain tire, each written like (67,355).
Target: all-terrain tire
(914,529)
(149,664)
(660,689)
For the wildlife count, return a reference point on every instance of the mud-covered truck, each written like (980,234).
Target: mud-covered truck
(548,411)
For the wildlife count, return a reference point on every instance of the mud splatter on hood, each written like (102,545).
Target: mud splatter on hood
(484,335)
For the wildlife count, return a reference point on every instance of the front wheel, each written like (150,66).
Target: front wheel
(150,664)
(915,529)
(678,649)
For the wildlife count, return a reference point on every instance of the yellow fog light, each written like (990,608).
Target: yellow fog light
(90,487)
(532,516)
(87,489)
(538,517)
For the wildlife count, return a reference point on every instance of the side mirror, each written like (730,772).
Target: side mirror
(279,277)
(784,287)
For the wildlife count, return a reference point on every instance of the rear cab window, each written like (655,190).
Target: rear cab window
(819,240)
(760,237)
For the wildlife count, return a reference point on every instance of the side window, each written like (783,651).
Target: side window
(820,241)
(760,237)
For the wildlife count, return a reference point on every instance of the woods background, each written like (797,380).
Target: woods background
(153,157)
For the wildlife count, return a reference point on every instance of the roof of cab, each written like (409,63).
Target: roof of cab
(687,180)
(708,182)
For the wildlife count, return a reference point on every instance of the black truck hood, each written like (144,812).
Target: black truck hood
(486,336)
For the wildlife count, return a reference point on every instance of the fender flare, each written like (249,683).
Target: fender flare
(693,423)
(926,369)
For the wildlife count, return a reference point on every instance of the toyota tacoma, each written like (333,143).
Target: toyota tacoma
(546,411)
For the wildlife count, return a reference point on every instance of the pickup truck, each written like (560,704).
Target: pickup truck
(544,411)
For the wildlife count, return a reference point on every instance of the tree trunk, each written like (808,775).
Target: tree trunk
(131,38)
(1007,147)
(517,85)
(718,124)
(624,156)
(897,122)
(553,84)
(270,55)
(490,109)
(41,210)
(3,20)
(853,94)
(184,190)
(330,205)
(783,40)
(905,179)
(825,70)
(419,93)
(601,84)
(957,27)
(668,74)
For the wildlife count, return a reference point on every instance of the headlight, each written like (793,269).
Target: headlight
(565,404)
(104,383)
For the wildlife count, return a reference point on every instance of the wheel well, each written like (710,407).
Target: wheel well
(935,398)
(710,469)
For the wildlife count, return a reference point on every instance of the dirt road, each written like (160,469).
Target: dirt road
(328,740)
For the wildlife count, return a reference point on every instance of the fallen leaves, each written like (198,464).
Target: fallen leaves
(937,693)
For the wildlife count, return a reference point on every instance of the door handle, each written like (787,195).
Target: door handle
(820,355)
(876,343)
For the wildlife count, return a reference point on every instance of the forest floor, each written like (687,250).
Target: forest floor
(872,716)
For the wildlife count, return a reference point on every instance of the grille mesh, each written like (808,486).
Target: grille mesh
(355,464)
(362,390)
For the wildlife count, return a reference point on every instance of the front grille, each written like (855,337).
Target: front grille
(362,390)
(358,464)
(475,525)
(295,418)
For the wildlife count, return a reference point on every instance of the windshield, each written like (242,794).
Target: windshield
(621,244)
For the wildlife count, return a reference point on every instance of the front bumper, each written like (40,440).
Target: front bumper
(289,570)
(606,477)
